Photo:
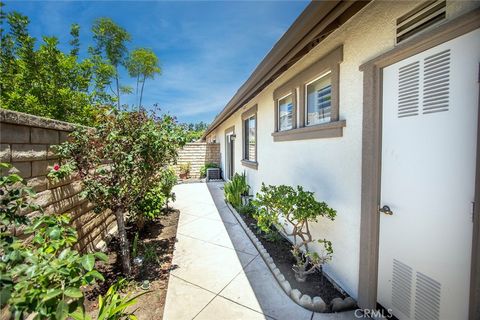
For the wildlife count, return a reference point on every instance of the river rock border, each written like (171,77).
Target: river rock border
(315,304)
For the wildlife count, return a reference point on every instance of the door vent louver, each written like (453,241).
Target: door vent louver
(436,82)
(408,90)
(401,287)
(420,18)
(427,298)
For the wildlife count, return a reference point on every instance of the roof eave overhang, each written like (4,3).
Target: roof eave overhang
(315,23)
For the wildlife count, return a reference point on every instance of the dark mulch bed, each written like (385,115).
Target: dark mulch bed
(316,285)
(159,234)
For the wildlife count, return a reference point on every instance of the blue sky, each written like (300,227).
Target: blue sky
(207,49)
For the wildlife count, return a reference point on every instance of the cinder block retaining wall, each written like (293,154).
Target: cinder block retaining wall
(26,142)
(198,154)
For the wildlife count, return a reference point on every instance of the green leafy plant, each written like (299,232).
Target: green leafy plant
(119,161)
(194,131)
(111,42)
(42,275)
(150,253)
(235,189)
(59,172)
(113,305)
(15,197)
(149,207)
(38,78)
(248,210)
(135,245)
(291,210)
(185,170)
(203,169)
(142,64)
(168,179)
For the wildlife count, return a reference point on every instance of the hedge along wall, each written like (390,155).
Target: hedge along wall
(198,154)
(26,142)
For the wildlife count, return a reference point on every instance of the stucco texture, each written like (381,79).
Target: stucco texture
(330,167)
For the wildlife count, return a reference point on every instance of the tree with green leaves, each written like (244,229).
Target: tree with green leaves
(111,41)
(142,65)
(44,81)
(291,210)
(120,161)
(75,42)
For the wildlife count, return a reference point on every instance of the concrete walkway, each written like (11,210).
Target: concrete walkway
(219,273)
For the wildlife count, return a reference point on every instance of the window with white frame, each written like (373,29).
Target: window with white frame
(250,132)
(307,105)
(318,100)
(285,113)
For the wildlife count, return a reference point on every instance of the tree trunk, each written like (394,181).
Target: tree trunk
(118,87)
(136,91)
(141,91)
(124,245)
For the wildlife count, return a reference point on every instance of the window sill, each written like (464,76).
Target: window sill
(325,130)
(250,164)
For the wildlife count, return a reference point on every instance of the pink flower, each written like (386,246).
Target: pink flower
(56,167)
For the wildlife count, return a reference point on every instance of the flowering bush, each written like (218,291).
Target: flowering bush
(59,172)
(118,161)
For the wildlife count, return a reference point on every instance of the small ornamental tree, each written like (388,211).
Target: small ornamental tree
(120,159)
(291,210)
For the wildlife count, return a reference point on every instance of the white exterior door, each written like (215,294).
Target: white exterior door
(430,112)
(229,155)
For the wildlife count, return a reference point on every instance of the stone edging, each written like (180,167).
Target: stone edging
(316,304)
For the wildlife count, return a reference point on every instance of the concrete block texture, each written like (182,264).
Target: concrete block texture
(5,152)
(47,136)
(11,133)
(41,168)
(27,142)
(23,169)
(198,154)
(28,152)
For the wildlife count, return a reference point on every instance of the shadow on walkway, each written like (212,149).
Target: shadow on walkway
(218,272)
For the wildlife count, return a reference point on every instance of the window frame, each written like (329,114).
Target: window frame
(325,74)
(294,113)
(251,112)
(330,63)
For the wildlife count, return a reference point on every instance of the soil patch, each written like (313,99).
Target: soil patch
(279,249)
(155,244)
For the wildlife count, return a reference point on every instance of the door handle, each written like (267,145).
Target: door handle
(386,210)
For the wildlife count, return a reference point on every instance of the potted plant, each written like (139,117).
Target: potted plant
(184,170)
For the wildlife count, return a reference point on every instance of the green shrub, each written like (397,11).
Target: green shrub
(168,180)
(203,169)
(119,161)
(113,305)
(185,169)
(135,246)
(282,206)
(149,207)
(235,189)
(150,253)
(44,274)
(248,210)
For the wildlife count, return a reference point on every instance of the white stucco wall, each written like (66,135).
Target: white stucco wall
(329,167)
